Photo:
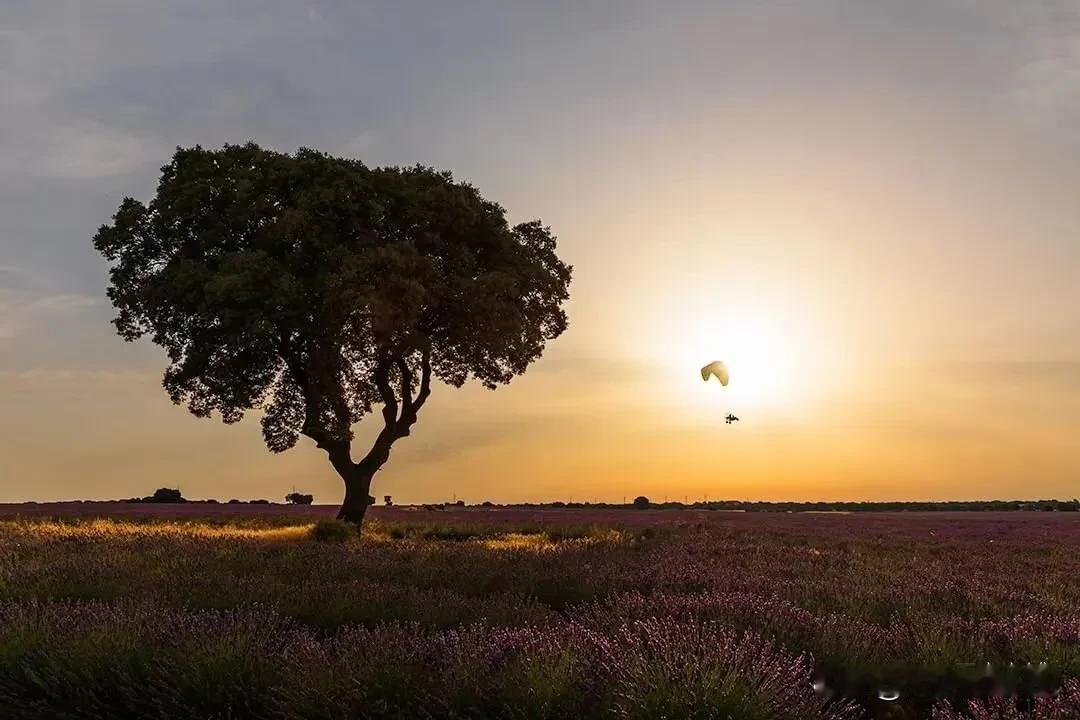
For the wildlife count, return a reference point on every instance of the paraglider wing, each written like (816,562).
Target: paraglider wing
(718,369)
(721,374)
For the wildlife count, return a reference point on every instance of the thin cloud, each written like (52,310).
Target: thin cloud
(19,309)
(1048,70)
(93,152)
(37,378)
(15,278)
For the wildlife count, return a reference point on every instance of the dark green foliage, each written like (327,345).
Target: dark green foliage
(300,284)
(641,502)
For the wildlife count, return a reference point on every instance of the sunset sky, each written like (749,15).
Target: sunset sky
(870,210)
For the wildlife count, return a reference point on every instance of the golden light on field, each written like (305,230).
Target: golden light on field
(108,529)
(519,542)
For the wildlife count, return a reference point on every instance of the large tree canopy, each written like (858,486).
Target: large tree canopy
(316,288)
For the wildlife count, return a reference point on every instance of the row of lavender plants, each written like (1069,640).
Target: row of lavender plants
(95,660)
(115,660)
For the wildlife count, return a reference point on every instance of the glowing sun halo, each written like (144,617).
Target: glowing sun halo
(760,354)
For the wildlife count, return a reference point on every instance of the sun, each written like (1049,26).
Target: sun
(757,355)
(769,360)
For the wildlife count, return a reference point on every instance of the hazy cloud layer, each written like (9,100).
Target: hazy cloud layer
(18,310)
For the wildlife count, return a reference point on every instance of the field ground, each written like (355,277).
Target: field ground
(219,611)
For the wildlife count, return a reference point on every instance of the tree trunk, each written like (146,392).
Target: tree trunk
(357,489)
(357,476)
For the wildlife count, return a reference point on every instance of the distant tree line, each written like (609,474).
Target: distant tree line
(161,495)
(642,502)
(171,495)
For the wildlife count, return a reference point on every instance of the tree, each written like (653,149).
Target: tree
(295,498)
(315,289)
(641,502)
(165,495)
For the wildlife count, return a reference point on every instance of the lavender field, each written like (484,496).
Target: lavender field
(200,612)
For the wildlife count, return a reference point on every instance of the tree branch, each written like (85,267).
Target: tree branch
(396,427)
(338,450)
(425,381)
(311,427)
(406,386)
(386,390)
(380,449)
